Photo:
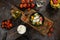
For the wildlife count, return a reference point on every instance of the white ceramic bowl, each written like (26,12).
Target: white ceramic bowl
(21,29)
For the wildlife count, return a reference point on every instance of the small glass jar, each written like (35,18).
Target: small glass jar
(39,3)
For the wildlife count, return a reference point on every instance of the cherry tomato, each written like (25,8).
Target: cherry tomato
(49,23)
(23,1)
(55,1)
(10,25)
(3,23)
(31,0)
(29,9)
(3,26)
(41,19)
(49,34)
(28,5)
(21,5)
(7,23)
(25,5)
(32,5)
(51,29)
(27,1)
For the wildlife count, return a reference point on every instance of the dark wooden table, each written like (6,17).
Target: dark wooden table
(5,14)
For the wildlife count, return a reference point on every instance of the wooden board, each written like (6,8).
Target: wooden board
(42,29)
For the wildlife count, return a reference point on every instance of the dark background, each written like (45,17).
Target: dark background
(31,34)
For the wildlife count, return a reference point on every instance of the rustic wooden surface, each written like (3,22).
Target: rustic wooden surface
(5,9)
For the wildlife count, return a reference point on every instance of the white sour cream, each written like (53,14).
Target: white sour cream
(21,29)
